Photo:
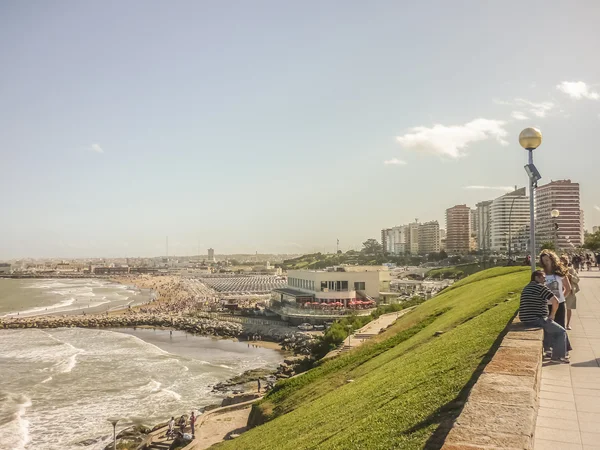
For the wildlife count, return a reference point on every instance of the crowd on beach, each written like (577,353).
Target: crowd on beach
(550,298)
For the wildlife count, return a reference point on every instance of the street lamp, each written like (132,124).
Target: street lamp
(114,424)
(554,214)
(530,139)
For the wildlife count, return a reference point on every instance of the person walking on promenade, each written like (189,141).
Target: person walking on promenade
(576,262)
(557,281)
(533,312)
(571,299)
(258,381)
(193,424)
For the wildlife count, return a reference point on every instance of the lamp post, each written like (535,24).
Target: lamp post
(554,214)
(114,424)
(530,139)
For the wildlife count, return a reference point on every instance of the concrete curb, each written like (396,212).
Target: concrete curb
(501,410)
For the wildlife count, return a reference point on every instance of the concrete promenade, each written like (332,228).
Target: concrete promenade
(569,412)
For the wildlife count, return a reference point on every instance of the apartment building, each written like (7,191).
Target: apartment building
(565,231)
(458,229)
(429,237)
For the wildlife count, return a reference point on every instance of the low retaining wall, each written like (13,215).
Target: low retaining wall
(501,410)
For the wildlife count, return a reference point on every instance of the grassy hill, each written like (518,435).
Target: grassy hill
(399,390)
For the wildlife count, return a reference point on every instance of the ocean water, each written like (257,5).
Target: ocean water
(66,296)
(59,386)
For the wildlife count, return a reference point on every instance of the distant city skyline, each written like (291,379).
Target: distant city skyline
(280,128)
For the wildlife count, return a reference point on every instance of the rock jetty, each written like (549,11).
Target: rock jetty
(203,326)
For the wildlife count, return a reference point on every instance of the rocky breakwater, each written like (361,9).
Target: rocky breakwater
(202,326)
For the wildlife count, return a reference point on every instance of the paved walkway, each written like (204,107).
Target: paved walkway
(569,414)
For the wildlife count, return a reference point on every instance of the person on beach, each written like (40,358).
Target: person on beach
(571,299)
(193,423)
(171,429)
(181,424)
(258,381)
(533,312)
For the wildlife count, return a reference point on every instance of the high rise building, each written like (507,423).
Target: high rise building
(458,232)
(211,254)
(482,224)
(429,237)
(565,230)
(509,215)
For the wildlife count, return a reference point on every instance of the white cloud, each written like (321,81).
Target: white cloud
(394,162)
(453,140)
(491,188)
(96,148)
(537,109)
(518,115)
(577,90)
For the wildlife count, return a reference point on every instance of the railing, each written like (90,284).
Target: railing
(289,311)
(242,319)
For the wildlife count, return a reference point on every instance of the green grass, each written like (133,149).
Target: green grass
(406,381)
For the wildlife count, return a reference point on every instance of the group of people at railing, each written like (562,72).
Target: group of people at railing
(548,300)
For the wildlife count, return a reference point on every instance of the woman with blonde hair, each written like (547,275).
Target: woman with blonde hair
(571,299)
(557,281)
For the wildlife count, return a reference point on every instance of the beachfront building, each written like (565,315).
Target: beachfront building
(565,231)
(5,268)
(340,285)
(509,215)
(458,230)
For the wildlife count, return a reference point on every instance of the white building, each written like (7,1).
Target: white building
(565,231)
(337,284)
(395,240)
(509,215)
(5,268)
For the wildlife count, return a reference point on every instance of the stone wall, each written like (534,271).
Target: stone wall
(501,410)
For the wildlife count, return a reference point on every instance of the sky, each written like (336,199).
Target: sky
(279,127)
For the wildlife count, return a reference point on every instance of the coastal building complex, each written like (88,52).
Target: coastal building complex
(458,229)
(509,215)
(565,230)
(344,284)
(482,225)
(5,268)
(429,237)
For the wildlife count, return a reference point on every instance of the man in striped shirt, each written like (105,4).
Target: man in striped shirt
(533,312)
